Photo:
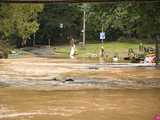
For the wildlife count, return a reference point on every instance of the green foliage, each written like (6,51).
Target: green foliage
(19,19)
(54,15)
(126,20)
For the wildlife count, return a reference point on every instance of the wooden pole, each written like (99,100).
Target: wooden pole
(102,39)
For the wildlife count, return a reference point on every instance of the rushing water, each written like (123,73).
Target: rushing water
(29,91)
(79,105)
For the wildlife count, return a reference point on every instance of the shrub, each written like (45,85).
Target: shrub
(4,49)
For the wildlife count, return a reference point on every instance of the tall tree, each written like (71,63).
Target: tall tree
(134,19)
(55,15)
(19,19)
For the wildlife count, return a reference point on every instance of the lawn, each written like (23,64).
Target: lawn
(111,48)
(91,51)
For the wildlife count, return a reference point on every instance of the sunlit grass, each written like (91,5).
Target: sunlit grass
(111,48)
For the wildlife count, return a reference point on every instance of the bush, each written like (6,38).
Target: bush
(4,49)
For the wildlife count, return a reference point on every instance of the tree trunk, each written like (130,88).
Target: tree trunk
(23,42)
(34,40)
(157,49)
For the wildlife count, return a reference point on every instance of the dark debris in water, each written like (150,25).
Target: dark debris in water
(69,80)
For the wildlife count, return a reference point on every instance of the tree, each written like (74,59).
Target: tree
(20,20)
(133,19)
(56,14)
(140,18)
(85,8)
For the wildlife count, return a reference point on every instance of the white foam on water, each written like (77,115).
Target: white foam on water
(11,115)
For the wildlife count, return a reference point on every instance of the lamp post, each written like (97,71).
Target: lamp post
(61,26)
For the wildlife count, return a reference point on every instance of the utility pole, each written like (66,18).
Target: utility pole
(84,28)
(102,32)
(157,50)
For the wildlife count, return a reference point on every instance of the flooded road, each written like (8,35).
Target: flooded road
(53,74)
(79,105)
(49,89)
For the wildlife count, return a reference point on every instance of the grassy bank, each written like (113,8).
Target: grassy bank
(89,51)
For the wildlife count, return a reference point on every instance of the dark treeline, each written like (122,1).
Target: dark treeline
(21,24)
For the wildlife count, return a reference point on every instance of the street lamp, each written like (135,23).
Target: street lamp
(61,27)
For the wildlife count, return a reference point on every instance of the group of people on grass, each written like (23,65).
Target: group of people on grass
(73,51)
(146,55)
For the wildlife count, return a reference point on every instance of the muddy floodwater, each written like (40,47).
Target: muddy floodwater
(79,105)
(48,89)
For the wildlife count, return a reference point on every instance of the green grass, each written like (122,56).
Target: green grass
(111,48)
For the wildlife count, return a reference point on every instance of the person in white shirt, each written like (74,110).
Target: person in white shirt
(115,59)
(73,49)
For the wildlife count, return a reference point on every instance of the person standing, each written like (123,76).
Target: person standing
(72,50)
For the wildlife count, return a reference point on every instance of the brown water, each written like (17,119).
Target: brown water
(79,105)
(23,97)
